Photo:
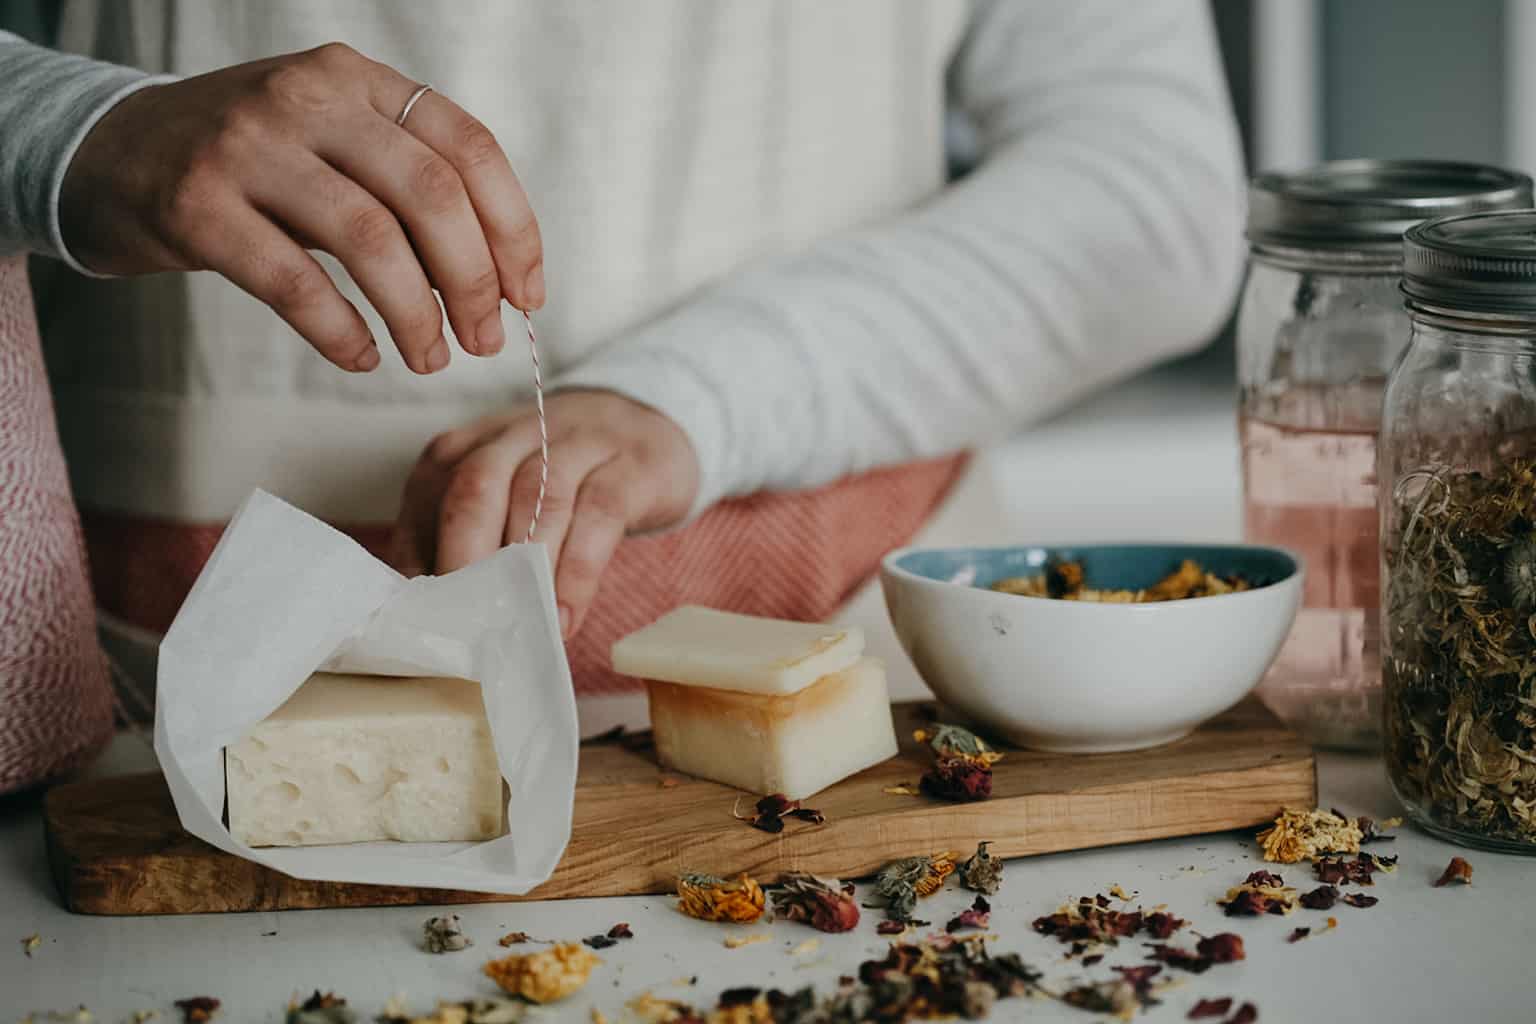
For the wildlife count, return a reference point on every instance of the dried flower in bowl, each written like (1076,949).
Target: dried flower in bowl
(709,898)
(1065,581)
(546,976)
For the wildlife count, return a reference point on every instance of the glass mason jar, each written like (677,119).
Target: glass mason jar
(1458,522)
(1320,325)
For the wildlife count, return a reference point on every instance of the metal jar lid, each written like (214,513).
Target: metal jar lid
(1481,263)
(1368,204)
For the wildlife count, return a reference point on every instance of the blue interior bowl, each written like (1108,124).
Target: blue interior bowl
(1105,566)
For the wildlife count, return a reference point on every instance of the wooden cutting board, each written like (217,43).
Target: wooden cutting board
(116,847)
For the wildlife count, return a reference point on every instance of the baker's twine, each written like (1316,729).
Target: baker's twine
(56,701)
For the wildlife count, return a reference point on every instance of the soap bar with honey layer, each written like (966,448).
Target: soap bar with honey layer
(351,759)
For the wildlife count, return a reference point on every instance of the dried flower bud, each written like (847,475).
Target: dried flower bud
(957,741)
(822,904)
(709,898)
(982,872)
(960,779)
(1458,870)
(444,935)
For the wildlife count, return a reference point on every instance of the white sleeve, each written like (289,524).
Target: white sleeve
(48,102)
(1100,234)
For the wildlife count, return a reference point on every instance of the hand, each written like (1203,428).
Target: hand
(615,465)
(239,171)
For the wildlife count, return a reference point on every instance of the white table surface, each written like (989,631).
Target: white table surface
(1156,458)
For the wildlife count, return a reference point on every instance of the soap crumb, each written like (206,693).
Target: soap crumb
(737,941)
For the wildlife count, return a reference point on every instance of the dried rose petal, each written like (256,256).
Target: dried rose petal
(1298,934)
(1222,949)
(1160,925)
(768,823)
(776,805)
(600,941)
(1183,959)
(1140,976)
(978,916)
(1089,961)
(890,927)
(1248,904)
(620,931)
(1246,1014)
(1360,899)
(1321,898)
(1458,870)
(1211,1008)
(958,779)
(806,814)
(1264,878)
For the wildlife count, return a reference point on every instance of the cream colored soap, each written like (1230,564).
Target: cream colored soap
(796,744)
(703,647)
(352,759)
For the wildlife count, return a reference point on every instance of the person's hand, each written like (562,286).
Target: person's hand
(615,466)
(241,170)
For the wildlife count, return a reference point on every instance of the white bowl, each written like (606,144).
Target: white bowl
(1081,677)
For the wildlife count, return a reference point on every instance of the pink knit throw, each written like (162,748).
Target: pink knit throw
(55,690)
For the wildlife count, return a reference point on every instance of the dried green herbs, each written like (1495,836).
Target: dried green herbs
(1459,665)
(901,882)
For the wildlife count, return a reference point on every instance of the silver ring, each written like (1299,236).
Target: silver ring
(406,111)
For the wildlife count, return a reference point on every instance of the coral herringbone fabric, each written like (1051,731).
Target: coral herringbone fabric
(55,691)
(796,555)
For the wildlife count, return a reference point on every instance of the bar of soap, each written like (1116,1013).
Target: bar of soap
(721,650)
(796,744)
(354,759)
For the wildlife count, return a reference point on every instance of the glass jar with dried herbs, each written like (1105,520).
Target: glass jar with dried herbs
(1320,326)
(1457,463)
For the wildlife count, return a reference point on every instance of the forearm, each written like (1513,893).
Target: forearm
(1100,234)
(48,102)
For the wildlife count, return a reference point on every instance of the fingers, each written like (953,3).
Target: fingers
(315,202)
(612,496)
(473,517)
(506,219)
(578,456)
(257,256)
(429,198)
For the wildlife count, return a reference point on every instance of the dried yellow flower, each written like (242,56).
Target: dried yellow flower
(1064,581)
(709,898)
(652,1010)
(1305,835)
(546,976)
(755,1012)
(737,941)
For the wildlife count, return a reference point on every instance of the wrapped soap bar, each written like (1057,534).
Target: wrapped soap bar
(764,705)
(353,759)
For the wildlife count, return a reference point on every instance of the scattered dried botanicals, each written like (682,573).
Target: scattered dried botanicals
(1304,835)
(982,872)
(946,976)
(962,764)
(901,882)
(609,938)
(1262,893)
(321,1008)
(197,1009)
(517,939)
(889,927)
(978,915)
(1374,831)
(1064,581)
(30,943)
(1160,924)
(709,898)
(1122,997)
(1359,899)
(1225,948)
(737,941)
(770,812)
(546,976)
(1092,921)
(1298,934)
(444,935)
(1458,870)
(474,1011)
(1321,898)
(823,904)
(1342,871)
(1460,656)
(1211,1008)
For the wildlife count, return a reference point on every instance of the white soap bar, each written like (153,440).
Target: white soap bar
(796,744)
(352,759)
(703,647)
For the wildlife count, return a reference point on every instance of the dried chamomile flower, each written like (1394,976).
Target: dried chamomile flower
(824,904)
(1303,835)
(444,935)
(1458,870)
(901,882)
(1262,893)
(546,976)
(321,1008)
(709,898)
(981,872)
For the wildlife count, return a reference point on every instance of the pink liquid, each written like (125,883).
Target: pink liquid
(1312,489)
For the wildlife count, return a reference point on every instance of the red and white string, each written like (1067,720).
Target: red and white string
(538,398)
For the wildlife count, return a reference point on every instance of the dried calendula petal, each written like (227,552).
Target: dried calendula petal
(653,1010)
(709,898)
(737,941)
(1304,835)
(901,882)
(546,976)
(982,872)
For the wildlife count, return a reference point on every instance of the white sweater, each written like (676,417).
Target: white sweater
(747,224)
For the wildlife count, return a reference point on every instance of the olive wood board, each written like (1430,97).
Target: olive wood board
(116,847)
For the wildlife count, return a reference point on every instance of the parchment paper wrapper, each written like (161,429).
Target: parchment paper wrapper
(283,596)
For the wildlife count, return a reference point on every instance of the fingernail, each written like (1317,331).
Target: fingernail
(489,337)
(369,360)
(533,286)
(565,621)
(437,355)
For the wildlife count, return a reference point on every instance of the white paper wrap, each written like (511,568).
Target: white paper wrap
(283,596)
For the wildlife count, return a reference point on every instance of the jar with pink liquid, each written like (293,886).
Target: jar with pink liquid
(1320,326)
